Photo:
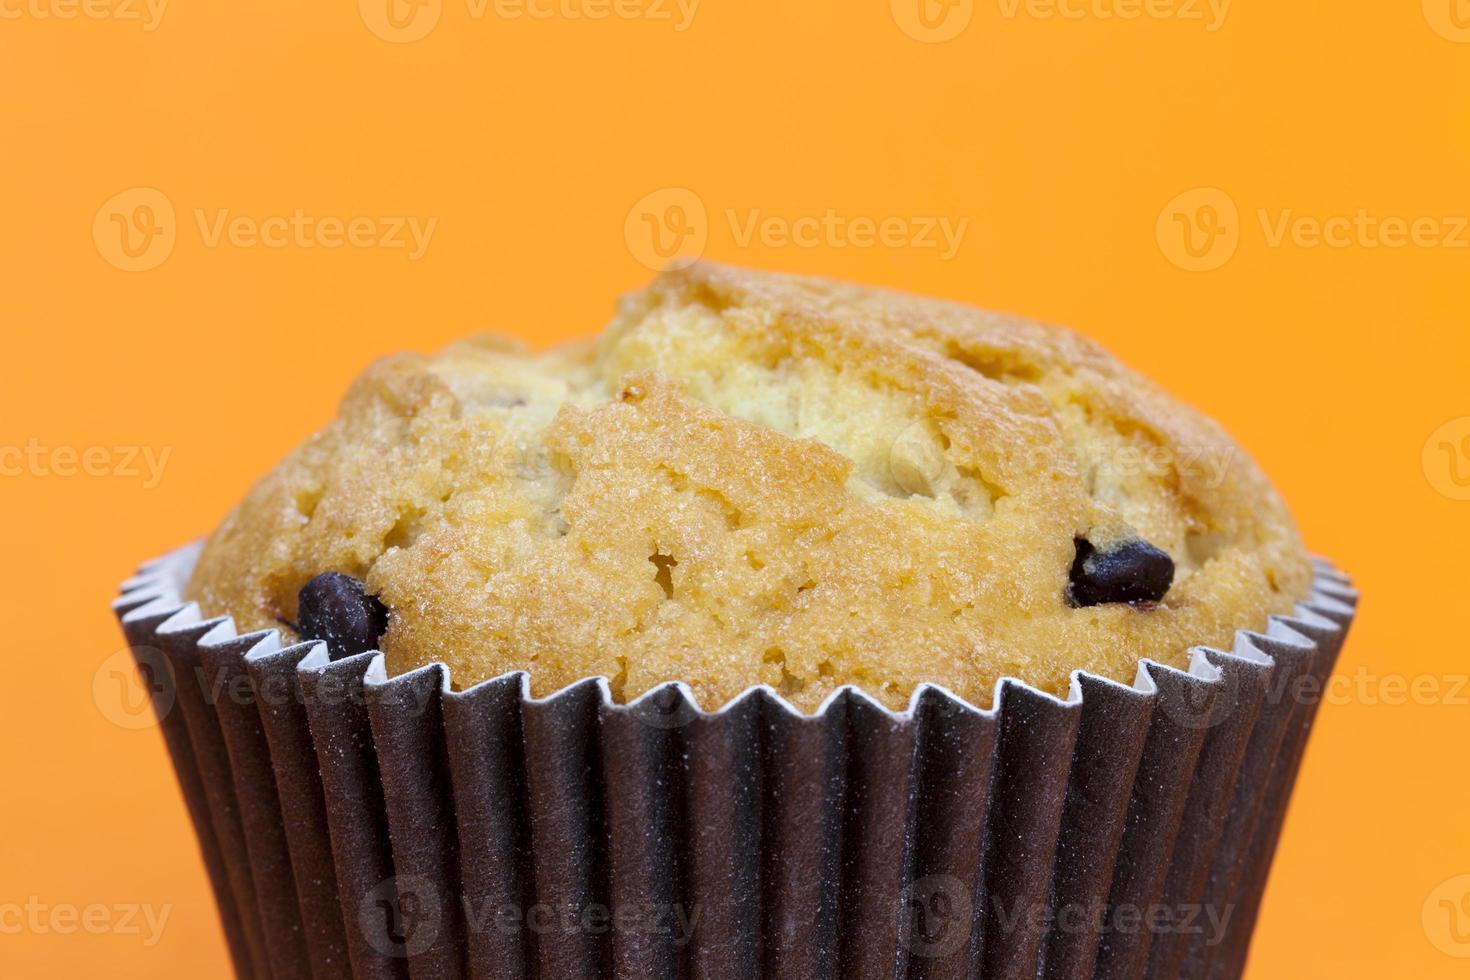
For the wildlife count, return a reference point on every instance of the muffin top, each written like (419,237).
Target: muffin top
(752,478)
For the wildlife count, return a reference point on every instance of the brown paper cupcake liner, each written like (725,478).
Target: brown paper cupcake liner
(357,825)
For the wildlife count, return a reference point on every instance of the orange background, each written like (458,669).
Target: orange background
(1061,140)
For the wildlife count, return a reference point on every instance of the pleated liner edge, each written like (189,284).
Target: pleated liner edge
(357,825)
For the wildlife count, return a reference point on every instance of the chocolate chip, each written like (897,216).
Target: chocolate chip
(335,608)
(1130,571)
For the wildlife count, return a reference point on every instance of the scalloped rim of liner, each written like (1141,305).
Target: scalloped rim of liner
(155,591)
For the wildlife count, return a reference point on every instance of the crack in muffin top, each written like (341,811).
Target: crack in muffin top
(762,479)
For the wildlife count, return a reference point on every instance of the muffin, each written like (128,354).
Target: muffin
(754,479)
(787,629)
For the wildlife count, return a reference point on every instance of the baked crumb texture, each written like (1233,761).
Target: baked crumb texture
(759,479)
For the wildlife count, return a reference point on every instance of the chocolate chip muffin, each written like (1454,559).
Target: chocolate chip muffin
(760,479)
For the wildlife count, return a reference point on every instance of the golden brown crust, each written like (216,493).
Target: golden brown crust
(753,478)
